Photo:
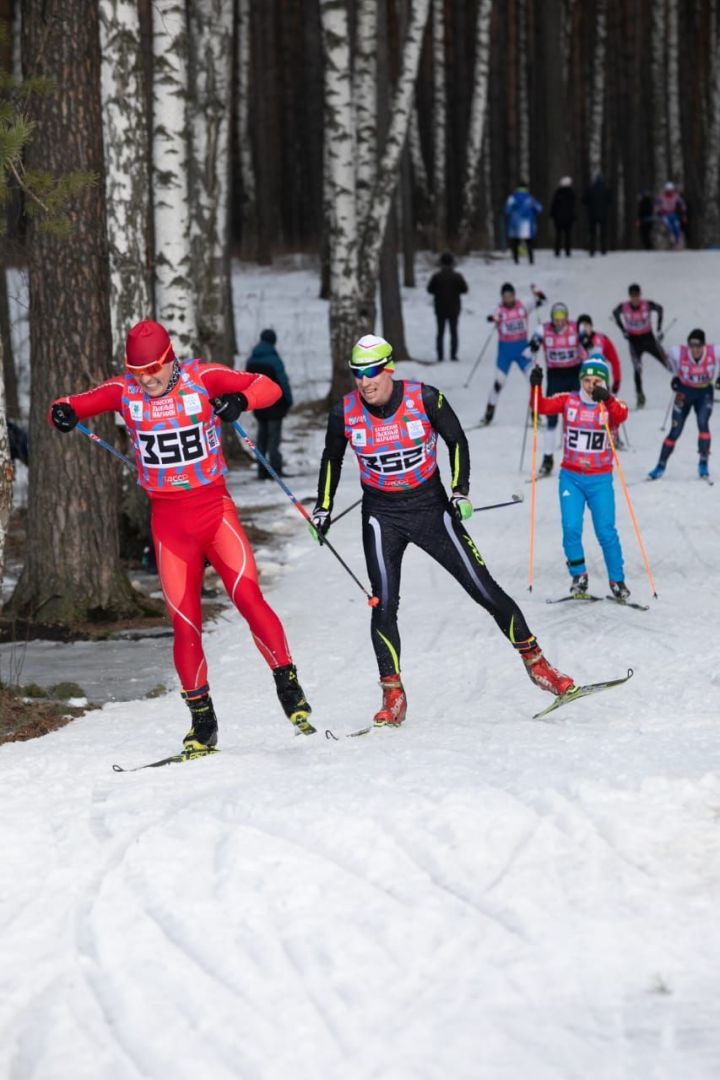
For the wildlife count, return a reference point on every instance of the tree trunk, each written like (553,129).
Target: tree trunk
(6,476)
(523,108)
(126,169)
(711,216)
(174,291)
(478,113)
(597,109)
(407,220)
(659,95)
(211,35)
(345,321)
(365,95)
(439,126)
(552,42)
(677,169)
(71,572)
(420,175)
(8,359)
(248,199)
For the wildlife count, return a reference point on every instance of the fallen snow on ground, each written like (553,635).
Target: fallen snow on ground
(478,895)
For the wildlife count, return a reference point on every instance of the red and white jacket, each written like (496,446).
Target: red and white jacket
(586,448)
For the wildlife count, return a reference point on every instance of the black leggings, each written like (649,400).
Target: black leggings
(687,399)
(435,530)
(563,238)
(515,243)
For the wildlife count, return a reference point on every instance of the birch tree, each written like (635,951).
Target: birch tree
(439,124)
(597,106)
(174,293)
(417,157)
(478,111)
(211,35)
(677,170)
(247,165)
(126,168)
(711,216)
(659,118)
(366,106)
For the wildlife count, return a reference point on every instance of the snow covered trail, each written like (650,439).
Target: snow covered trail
(478,896)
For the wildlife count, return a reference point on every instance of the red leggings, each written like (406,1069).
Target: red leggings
(188,528)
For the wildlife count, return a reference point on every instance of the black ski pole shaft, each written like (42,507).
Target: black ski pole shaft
(496,506)
(524,442)
(346,510)
(372,600)
(106,446)
(667,411)
(477,362)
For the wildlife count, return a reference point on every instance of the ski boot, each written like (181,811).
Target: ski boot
(640,403)
(394,704)
(291,697)
(489,413)
(619,590)
(202,736)
(657,472)
(703,469)
(547,465)
(579,585)
(544,674)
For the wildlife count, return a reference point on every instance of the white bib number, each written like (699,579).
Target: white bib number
(178,446)
(585,440)
(394,461)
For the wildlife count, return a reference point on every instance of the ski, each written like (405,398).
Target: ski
(576,692)
(574,596)
(348,734)
(628,603)
(184,755)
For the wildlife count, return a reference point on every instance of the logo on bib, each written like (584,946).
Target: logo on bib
(359,437)
(415,429)
(388,433)
(136,410)
(191,404)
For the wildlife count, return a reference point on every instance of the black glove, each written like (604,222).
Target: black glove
(600,393)
(319,523)
(586,341)
(717,383)
(626,335)
(491,318)
(615,388)
(660,334)
(229,406)
(675,383)
(63,416)
(536,376)
(534,345)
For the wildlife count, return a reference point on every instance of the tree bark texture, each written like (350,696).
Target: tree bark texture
(439,125)
(597,108)
(71,572)
(478,112)
(659,93)
(12,404)
(675,145)
(174,291)
(247,185)
(126,169)
(6,476)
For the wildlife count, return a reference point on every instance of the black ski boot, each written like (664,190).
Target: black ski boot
(579,585)
(202,736)
(489,413)
(619,590)
(547,465)
(292,698)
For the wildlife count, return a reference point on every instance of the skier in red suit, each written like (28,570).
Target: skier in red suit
(171,409)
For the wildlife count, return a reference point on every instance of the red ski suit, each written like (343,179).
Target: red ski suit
(176,439)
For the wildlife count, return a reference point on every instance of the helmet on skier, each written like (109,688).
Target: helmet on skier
(559,313)
(370,355)
(696,337)
(148,348)
(597,365)
(507,288)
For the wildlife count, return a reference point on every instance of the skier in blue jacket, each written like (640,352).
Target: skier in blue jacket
(521,212)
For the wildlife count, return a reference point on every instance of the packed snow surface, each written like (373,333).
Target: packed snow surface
(477,896)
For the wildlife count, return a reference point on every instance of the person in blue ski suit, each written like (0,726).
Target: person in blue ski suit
(586,474)
(521,212)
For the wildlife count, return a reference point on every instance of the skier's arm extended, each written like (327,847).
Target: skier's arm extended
(107,397)
(447,425)
(332,458)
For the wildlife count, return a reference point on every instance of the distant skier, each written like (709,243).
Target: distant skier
(562,211)
(696,367)
(586,473)
(521,213)
(512,319)
(393,428)
(671,209)
(563,357)
(634,317)
(171,410)
(446,286)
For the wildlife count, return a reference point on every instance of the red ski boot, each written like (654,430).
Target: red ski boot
(394,705)
(544,674)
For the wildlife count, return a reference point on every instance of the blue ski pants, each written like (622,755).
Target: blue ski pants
(596,491)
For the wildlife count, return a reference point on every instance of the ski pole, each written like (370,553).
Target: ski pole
(636,527)
(625,434)
(533,488)
(667,411)
(373,601)
(524,442)
(512,501)
(477,362)
(106,446)
(663,333)
(346,510)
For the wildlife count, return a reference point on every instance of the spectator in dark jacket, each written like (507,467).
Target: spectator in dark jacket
(447,286)
(265,360)
(597,200)
(562,211)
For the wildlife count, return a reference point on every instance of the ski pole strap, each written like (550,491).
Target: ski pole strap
(373,601)
(106,446)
